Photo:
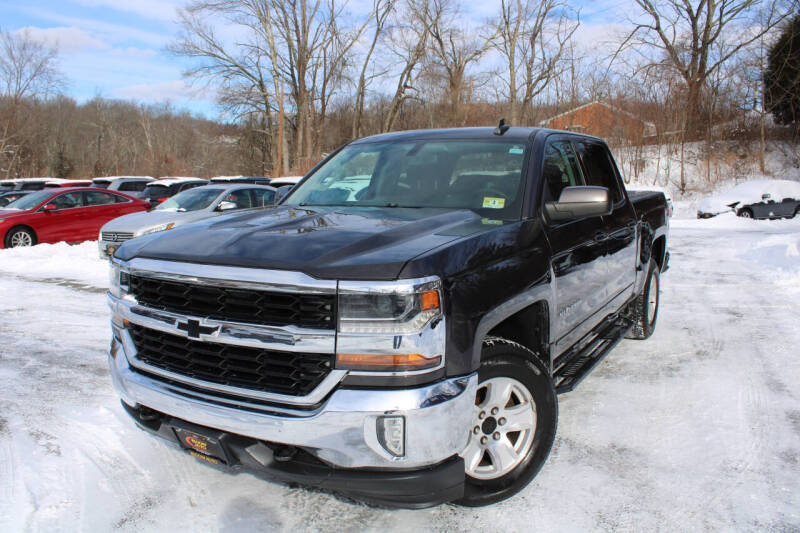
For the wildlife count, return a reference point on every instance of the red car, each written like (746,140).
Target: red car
(55,215)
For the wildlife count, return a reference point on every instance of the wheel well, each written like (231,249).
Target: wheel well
(18,226)
(659,249)
(529,327)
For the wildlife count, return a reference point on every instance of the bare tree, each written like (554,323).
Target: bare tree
(532,36)
(27,67)
(691,38)
(408,41)
(381,11)
(455,48)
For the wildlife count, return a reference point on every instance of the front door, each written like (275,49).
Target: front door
(577,248)
(60,224)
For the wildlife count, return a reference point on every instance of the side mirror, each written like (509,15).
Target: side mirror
(766,196)
(226,206)
(50,207)
(578,202)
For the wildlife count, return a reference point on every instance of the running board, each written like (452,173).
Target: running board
(573,366)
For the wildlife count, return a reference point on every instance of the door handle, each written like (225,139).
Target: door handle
(600,236)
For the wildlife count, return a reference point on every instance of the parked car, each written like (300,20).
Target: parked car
(67,183)
(403,344)
(285,180)
(131,185)
(284,186)
(32,184)
(761,199)
(185,207)
(9,196)
(257,180)
(55,215)
(160,190)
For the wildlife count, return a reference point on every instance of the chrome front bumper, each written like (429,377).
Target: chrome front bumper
(342,431)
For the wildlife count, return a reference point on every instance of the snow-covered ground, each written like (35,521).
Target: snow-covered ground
(697,428)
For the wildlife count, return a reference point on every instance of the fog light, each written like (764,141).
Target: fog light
(392,434)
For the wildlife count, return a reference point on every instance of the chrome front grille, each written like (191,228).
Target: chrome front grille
(250,306)
(291,373)
(116,236)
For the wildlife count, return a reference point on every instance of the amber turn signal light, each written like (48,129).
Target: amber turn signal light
(429,300)
(386,362)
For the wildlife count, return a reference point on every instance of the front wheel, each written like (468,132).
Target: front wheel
(514,423)
(20,237)
(745,213)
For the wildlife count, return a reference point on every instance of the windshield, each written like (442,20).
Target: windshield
(29,201)
(485,176)
(191,200)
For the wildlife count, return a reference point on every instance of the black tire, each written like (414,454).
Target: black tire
(745,213)
(19,234)
(644,318)
(502,358)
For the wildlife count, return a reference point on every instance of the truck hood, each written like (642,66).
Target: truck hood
(144,220)
(368,243)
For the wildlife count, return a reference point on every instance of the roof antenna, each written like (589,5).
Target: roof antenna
(501,128)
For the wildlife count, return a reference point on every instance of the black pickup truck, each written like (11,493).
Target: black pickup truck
(398,329)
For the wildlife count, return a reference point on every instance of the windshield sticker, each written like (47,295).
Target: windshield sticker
(493,203)
(490,222)
(516,150)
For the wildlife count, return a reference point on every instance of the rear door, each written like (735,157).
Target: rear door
(101,207)
(618,228)
(580,272)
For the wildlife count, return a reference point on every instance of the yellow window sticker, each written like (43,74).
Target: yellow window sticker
(493,203)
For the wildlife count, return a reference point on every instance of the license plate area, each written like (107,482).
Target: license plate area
(203,444)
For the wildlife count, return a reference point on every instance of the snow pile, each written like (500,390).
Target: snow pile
(58,263)
(750,192)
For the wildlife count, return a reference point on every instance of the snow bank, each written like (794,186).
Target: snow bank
(750,192)
(57,262)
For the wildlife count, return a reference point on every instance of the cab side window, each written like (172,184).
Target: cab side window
(262,197)
(100,198)
(560,169)
(68,200)
(132,186)
(600,172)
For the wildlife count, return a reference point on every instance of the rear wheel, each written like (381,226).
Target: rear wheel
(514,423)
(644,309)
(19,238)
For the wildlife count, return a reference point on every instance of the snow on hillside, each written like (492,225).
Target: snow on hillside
(660,166)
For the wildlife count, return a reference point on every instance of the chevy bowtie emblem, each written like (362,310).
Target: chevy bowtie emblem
(194,329)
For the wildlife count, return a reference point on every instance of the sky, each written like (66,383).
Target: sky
(116,48)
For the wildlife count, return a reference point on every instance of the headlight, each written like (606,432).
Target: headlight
(389,312)
(156,229)
(118,280)
(390,326)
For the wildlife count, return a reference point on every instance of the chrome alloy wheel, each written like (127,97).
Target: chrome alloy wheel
(21,238)
(502,431)
(652,298)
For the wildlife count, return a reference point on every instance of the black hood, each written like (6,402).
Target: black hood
(324,242)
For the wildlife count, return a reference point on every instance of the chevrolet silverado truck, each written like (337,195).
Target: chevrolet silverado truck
(398,329)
